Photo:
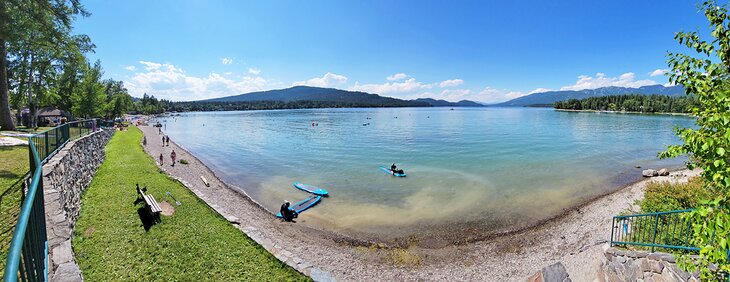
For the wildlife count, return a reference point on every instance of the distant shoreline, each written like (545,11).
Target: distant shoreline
(624,112)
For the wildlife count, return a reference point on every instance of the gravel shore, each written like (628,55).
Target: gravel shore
(576,238)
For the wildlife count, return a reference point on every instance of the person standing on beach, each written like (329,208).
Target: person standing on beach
(162,160)
(168,141)
(173,156)
(163,141)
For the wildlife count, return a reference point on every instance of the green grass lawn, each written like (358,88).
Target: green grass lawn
(13,166)
(193,244)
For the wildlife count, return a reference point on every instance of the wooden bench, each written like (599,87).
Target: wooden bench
(205,181)
(151,205)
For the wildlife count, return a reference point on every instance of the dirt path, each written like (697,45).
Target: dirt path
(575,239)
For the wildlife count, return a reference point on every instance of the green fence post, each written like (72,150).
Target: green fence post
(653,240)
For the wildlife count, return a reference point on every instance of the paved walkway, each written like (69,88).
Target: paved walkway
(10,141)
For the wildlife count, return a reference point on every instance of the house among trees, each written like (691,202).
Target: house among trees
(46,117)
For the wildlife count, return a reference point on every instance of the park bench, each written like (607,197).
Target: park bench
(151,205)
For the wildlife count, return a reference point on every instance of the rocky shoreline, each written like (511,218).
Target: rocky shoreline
(574,238)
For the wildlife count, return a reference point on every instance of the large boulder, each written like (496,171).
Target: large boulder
(649,173)
(663,172)
(553,273)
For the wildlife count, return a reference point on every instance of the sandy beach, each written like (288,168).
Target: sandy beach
(575,238)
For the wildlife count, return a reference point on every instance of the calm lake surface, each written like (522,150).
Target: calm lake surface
(471,171)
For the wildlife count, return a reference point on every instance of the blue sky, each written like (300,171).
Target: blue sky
(487,51)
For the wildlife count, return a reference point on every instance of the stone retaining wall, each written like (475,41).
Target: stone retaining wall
(65,177)
(624,265)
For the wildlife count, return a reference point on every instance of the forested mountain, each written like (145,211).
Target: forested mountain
(444,103)
(632,103)
(307,93)
(547,99)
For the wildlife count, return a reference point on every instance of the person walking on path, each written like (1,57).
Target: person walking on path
(162,160)
(173,156)
(163,141)
(144,140)
(168,140)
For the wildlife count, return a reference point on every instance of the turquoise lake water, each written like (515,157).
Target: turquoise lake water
(471,171)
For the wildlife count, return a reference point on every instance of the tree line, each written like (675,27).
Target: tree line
(44,64)
(274,105)
(632,103)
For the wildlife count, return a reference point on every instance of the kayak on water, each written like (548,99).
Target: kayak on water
(388,171)
(311,189)
(303,205)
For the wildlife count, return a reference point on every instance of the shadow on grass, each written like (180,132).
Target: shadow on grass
(145,217)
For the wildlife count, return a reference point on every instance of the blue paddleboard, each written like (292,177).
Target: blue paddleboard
(311,189)
(387,170)
(303,205)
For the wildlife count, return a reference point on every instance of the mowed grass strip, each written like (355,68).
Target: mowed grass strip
(193,244)
(13,166)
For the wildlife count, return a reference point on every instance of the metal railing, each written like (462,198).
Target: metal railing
(667,230)
(49,141)
(28,253)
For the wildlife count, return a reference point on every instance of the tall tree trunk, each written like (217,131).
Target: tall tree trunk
(6,117)
(32,103)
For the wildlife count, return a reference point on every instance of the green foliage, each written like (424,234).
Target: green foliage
(706,77)
(118,100)
(631,103)
(184,161)
(666,196)
(90,100)
(193,244)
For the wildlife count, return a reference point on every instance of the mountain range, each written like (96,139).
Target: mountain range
(307,93)
(548,98)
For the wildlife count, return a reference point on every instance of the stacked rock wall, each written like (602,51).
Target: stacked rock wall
(65,177)
(624,265)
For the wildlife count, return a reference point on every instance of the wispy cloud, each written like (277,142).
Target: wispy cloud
(130,68)
(601,80)
(451,83)
(408,85)
(227,61)
(327,80)
(539,90)
(397,77)
(254,71)
(171,82)
(657,72)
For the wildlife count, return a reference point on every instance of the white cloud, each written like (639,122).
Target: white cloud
(226,61)
(601,80)
(408,85)
(328,80)
(539,90)
(451,83)
(168,81)
(397,76)
(150,65)
(657,72)
(254,71)
(130,68)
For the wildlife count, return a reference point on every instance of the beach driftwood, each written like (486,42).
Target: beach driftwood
(205,181)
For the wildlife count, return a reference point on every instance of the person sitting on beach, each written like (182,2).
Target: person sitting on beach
(286,212)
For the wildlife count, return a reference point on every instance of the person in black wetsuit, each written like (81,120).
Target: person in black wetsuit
(393,167)
(286,213)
